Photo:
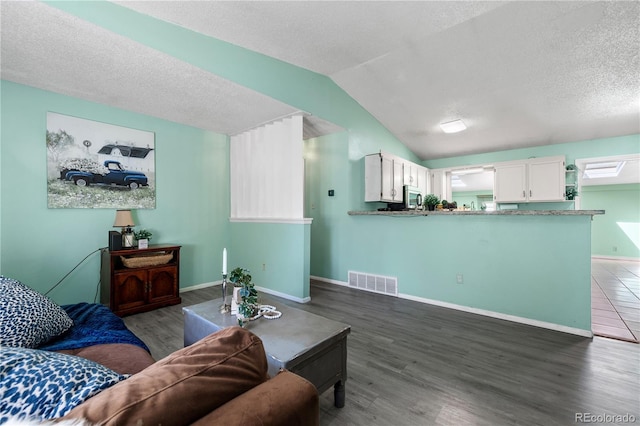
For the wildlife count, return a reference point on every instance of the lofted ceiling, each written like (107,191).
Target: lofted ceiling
(518,74)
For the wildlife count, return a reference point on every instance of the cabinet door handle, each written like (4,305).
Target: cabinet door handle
(524,194)
(530,193)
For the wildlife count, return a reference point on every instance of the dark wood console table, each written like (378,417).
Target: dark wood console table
(132,283)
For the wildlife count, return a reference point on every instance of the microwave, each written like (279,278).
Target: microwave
(412,198)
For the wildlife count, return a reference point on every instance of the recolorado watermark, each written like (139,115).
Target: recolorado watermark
(604,418)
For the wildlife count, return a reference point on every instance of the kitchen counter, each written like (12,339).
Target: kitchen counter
(478,213)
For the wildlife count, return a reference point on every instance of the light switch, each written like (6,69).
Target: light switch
(331,193)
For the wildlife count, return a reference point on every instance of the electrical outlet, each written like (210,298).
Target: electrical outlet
(264,266)
(615,249)
(459,278)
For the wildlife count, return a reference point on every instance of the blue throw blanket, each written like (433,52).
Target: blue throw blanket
(94,324)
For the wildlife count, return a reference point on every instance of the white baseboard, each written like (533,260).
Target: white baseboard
(262,289)
(629,259)
(199,286)
(499,315)
(284,295)
(484,312)
(328,280)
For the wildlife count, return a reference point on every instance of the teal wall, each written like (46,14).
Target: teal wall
(536,267)
(398,246)
(39,245)
(327,167)
(617,233)
(276,255)
(300,88)
(326,160)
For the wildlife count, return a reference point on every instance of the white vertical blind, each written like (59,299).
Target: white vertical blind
(267,171)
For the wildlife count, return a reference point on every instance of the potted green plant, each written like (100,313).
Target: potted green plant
(142,237)
(245,295)
(431,201)
(571,192)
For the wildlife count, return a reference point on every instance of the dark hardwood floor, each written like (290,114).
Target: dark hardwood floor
(415,364)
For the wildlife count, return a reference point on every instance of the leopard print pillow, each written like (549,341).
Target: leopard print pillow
(27,318)
(42,385)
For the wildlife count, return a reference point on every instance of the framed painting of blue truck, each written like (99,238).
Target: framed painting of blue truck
(98,165)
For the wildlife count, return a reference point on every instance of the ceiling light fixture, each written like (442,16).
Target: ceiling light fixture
(603,170)
(453,126)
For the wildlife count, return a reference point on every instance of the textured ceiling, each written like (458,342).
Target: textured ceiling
(49,49)
(518,73)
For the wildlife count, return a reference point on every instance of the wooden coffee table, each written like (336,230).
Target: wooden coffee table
(309,345)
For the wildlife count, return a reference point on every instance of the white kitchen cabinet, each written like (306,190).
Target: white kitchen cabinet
(416,176)
(532,180)
(411,174)
(437,183)
(510,183)
(547,179)
(383,178)
(423,180)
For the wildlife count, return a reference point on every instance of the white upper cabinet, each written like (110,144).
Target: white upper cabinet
(417,176)
(438,183)
(510,183)
(423,180)
(547,179)
(411,174)
(383,178)
(532,180)
(385,175)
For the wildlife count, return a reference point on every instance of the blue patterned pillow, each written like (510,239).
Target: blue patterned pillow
(44,385)
(27,318)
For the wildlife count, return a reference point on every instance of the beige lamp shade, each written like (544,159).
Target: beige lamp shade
(123,219)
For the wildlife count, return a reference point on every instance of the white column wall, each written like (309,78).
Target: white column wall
(267,171)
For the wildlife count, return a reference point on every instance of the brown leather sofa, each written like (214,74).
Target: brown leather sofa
(219,380)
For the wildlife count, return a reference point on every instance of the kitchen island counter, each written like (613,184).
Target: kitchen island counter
(528,266)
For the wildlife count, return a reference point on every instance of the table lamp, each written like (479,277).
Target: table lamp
(125,221)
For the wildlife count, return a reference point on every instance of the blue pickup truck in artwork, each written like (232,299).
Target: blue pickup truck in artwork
(85,172)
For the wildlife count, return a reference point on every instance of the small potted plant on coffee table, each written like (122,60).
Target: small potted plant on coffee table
(245,295)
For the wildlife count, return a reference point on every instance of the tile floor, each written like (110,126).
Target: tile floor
(615,299)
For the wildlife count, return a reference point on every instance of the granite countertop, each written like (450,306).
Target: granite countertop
(478,213)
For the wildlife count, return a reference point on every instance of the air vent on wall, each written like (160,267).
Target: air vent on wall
(374,283)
